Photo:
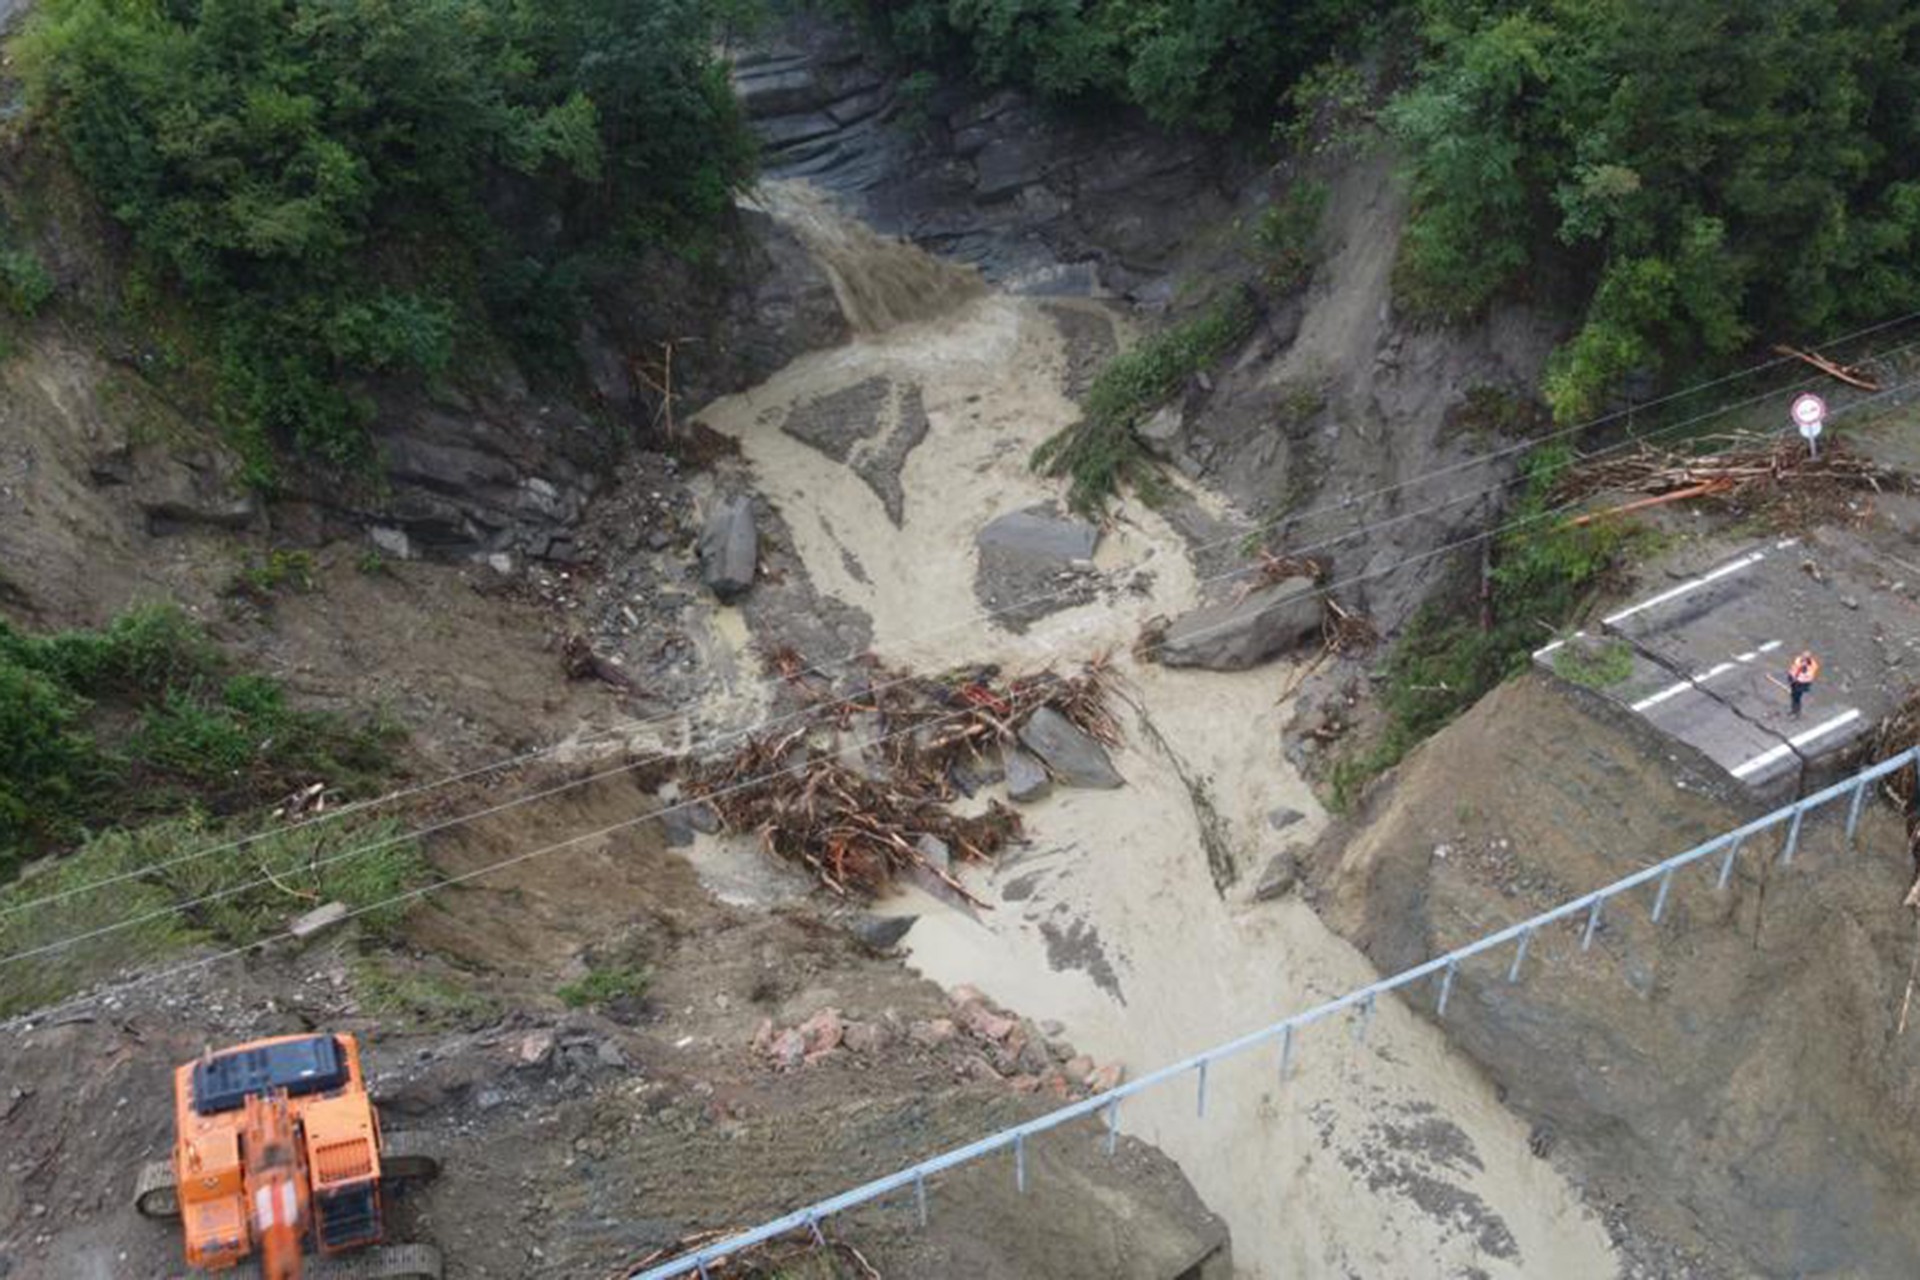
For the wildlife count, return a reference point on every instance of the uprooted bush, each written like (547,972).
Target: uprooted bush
(1100,453)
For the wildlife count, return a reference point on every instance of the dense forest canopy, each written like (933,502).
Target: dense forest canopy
(1719,172)
(341,187)
(1711,173)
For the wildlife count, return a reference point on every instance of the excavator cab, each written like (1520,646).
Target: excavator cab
(278,1154)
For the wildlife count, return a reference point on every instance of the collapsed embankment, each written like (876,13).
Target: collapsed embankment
(1739,1077)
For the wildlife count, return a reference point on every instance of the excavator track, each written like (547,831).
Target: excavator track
(404,1157)
(154,1195)
(382,1262)
(408,1157)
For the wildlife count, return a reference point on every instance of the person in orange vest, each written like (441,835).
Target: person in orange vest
(1801,673)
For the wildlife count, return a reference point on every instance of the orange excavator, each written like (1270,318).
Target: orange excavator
(279,1162)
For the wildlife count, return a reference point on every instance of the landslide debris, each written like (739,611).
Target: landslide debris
(856,807)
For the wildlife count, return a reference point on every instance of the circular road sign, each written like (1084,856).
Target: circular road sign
(1809,413)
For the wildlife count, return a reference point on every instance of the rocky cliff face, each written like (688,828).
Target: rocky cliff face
(1041,200)
(503,470)
(1323,428)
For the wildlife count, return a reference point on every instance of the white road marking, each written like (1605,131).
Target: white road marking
(1547,649)
(1691,585)
(1675,690)
(1767,757)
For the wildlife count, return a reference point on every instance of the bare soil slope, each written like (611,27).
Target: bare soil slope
(1733,1078)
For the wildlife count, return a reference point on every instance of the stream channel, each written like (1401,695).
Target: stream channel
(1128,915)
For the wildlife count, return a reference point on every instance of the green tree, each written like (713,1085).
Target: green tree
(1207,64)
(340,187)
(1712,172)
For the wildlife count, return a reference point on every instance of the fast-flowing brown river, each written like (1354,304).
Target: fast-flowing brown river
(1383,1157)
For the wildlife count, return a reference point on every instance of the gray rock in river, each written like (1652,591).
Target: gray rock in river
(882,933)
(1072,756)
(1033,563)
(1027,778)
(1035,533)
(729,548)
(1238,634)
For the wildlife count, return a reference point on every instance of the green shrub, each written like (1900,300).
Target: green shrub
(50,766)
(330,185)
(291,570)
(1287,234)
(1544,569)
(142,718)
(1101,452)
(25,284)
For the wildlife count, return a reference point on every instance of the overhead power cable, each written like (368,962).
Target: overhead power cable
(634,725)
(732,788)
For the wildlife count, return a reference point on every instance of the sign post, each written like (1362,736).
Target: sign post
(1810,415)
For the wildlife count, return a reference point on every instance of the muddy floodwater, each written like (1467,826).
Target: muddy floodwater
(1128,915)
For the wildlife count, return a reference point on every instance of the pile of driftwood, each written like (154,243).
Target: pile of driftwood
(1343,631)
(1745,470)
(861,793)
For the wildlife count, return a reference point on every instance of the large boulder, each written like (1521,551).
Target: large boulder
(1040,534)
(1069,754)
(1033,563)
(729,548)
(1237,634)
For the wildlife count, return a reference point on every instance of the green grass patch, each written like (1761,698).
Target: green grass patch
(389,989)
(605,985)
(1100,453)
(143,718)
(163,899)
(1596,668)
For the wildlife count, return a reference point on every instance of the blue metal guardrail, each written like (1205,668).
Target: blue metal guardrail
(1728,845)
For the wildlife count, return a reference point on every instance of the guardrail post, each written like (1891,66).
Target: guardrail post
(1286,1052)
(920,1197)
(1726,863)
(1446,989)
(1793,836)
(813,1229)
(1200,1105)
(1660,898)
(1853,812)
(1361,1020)
(1113,1125)
(1020,1163)
(1519,956)
(1593,925)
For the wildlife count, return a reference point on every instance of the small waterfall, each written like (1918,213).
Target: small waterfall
(880,282)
